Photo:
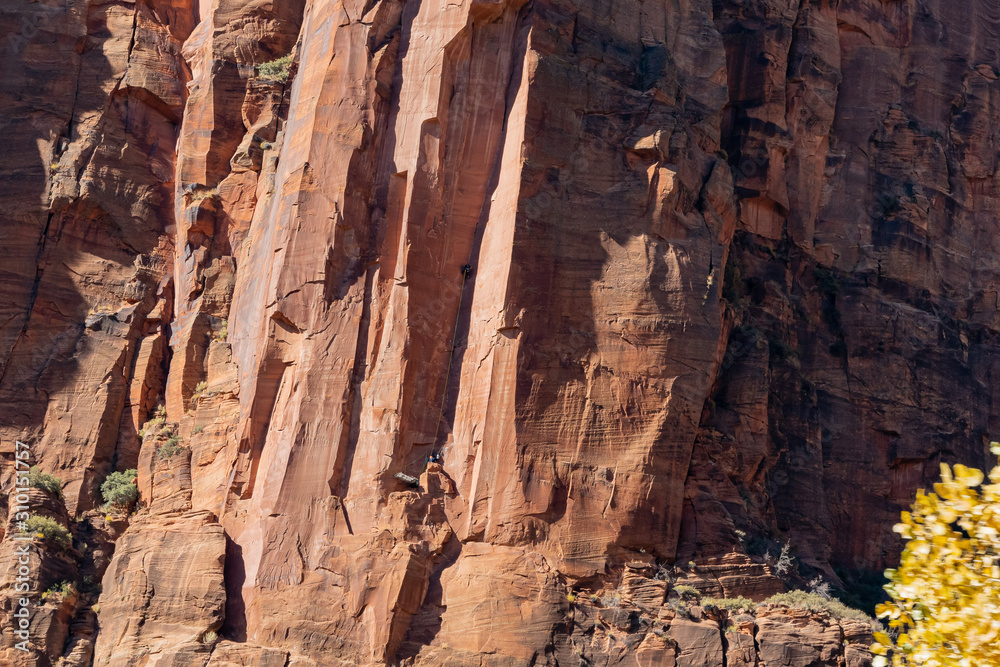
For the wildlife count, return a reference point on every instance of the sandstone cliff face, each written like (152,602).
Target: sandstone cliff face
(638,291)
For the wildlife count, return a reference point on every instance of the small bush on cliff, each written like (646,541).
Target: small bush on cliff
(63,589)
(158,418)
(118,489)
(223,333)
(203,193)
(199,391)
(687,592)
(169,448)
(679,608)
(730,604)
(44,481)
(814,602)
(945,595)
(44,528)
(276,70)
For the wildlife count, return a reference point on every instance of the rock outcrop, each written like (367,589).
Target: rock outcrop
(460,313)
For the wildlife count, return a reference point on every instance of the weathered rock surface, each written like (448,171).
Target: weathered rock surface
(636,291)
(168,591)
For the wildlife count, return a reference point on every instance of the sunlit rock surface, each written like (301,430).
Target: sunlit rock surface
(639,292)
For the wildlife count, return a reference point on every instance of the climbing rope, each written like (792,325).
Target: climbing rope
(435,454)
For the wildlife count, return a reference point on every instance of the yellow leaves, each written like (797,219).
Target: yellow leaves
(945,595)
(970,477)
(946,474)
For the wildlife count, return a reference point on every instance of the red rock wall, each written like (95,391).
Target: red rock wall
(664,286)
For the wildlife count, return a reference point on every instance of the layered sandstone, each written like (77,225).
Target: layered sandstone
(639,292)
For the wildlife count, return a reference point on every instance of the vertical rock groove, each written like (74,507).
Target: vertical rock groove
(466,332)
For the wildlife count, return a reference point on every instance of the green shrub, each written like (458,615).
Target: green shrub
(203,193)
(119,490)
(223,333)
(45,528)
(276,70)
(814,602)
(62,588)
(730,604)
(209,637)
(687,592)
(169,448)
(679,608)
(199,389)
(45,481)
(159,417)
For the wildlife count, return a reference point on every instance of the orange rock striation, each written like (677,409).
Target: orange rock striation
(637,292)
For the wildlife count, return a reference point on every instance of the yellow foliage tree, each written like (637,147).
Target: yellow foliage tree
(945,595)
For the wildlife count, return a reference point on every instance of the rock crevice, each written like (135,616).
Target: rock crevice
(645,296)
